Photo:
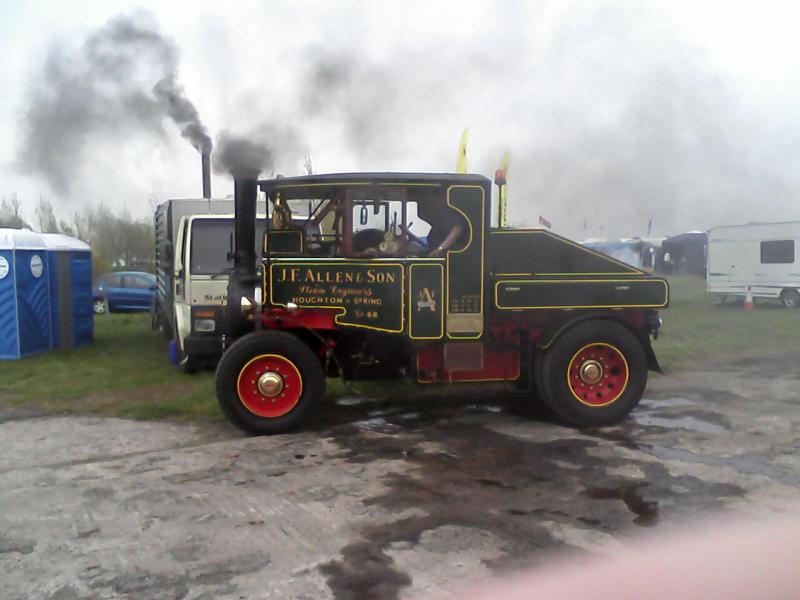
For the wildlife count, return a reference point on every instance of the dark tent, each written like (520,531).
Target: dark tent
(683,254)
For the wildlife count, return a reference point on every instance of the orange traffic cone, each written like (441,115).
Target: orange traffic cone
(748,299)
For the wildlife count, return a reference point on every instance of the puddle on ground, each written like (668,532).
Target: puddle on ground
(377,424)
(666,402)
(646,511)
(408,415)
(379,412)
(492,408)
(752,465)
(480,478)
(351,401)
(678,422)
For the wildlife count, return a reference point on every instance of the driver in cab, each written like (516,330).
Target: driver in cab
(447,227)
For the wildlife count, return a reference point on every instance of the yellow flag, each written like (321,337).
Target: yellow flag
(461,159)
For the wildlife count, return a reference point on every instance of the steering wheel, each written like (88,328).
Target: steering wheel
(367,241)
(411,236)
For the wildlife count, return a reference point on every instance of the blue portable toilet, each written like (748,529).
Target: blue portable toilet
(24,294)
(70,268)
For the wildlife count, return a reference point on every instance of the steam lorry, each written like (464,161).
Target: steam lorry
(363,292)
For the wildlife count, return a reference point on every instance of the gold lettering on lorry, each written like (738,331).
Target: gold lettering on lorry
(293,274)
(324,276)
(374,276)
(366,293)
(426,299)
(290,274)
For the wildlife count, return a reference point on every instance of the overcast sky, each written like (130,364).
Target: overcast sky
(615,113)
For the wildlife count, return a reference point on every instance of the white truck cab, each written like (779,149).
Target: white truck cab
(200,284)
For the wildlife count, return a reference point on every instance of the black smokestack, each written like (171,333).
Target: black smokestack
(205,165)
(257,149)
(243,279)
(244,206)
(245,156)
(181,110)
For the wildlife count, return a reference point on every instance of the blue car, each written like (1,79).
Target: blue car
(124,291)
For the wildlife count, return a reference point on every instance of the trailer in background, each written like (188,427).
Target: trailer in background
(763,256)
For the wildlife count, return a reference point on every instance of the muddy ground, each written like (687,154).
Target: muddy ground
(398,498)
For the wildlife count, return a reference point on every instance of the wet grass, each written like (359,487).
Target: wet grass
(699,330)
(125,373)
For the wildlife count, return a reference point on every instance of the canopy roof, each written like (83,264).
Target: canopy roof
(324,185)
(20,239)
(59,241)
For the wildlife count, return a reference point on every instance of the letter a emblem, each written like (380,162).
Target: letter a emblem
(426,299)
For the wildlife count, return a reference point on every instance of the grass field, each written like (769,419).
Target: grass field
(697,329)
(125,372)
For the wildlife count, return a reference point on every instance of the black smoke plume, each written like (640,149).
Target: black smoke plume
(241,156)
(365,98)
(122,82)
(183,113)
(256,150)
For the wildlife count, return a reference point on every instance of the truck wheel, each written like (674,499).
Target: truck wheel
(594,374)
(790,298)
(166,328)
(269,382)
(159,322)
(185,362)
(99,306)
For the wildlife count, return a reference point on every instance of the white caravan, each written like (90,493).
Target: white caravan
(764,256)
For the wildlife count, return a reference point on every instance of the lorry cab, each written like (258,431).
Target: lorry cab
(402,273)
(201,266)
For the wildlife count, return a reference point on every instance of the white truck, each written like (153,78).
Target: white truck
(193,243)
(763,256)
(192,266)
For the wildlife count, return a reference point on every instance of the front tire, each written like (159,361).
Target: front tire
(269,382)
(594,374)
(99,306)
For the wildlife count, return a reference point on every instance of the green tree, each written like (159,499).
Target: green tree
(118,241)
(45,217)
(11,215)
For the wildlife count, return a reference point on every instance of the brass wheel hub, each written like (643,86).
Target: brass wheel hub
(591,372)
(270,384)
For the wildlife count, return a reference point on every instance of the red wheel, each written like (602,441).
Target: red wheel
(269,382)
(269,385)
(593,374)
(598,374)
